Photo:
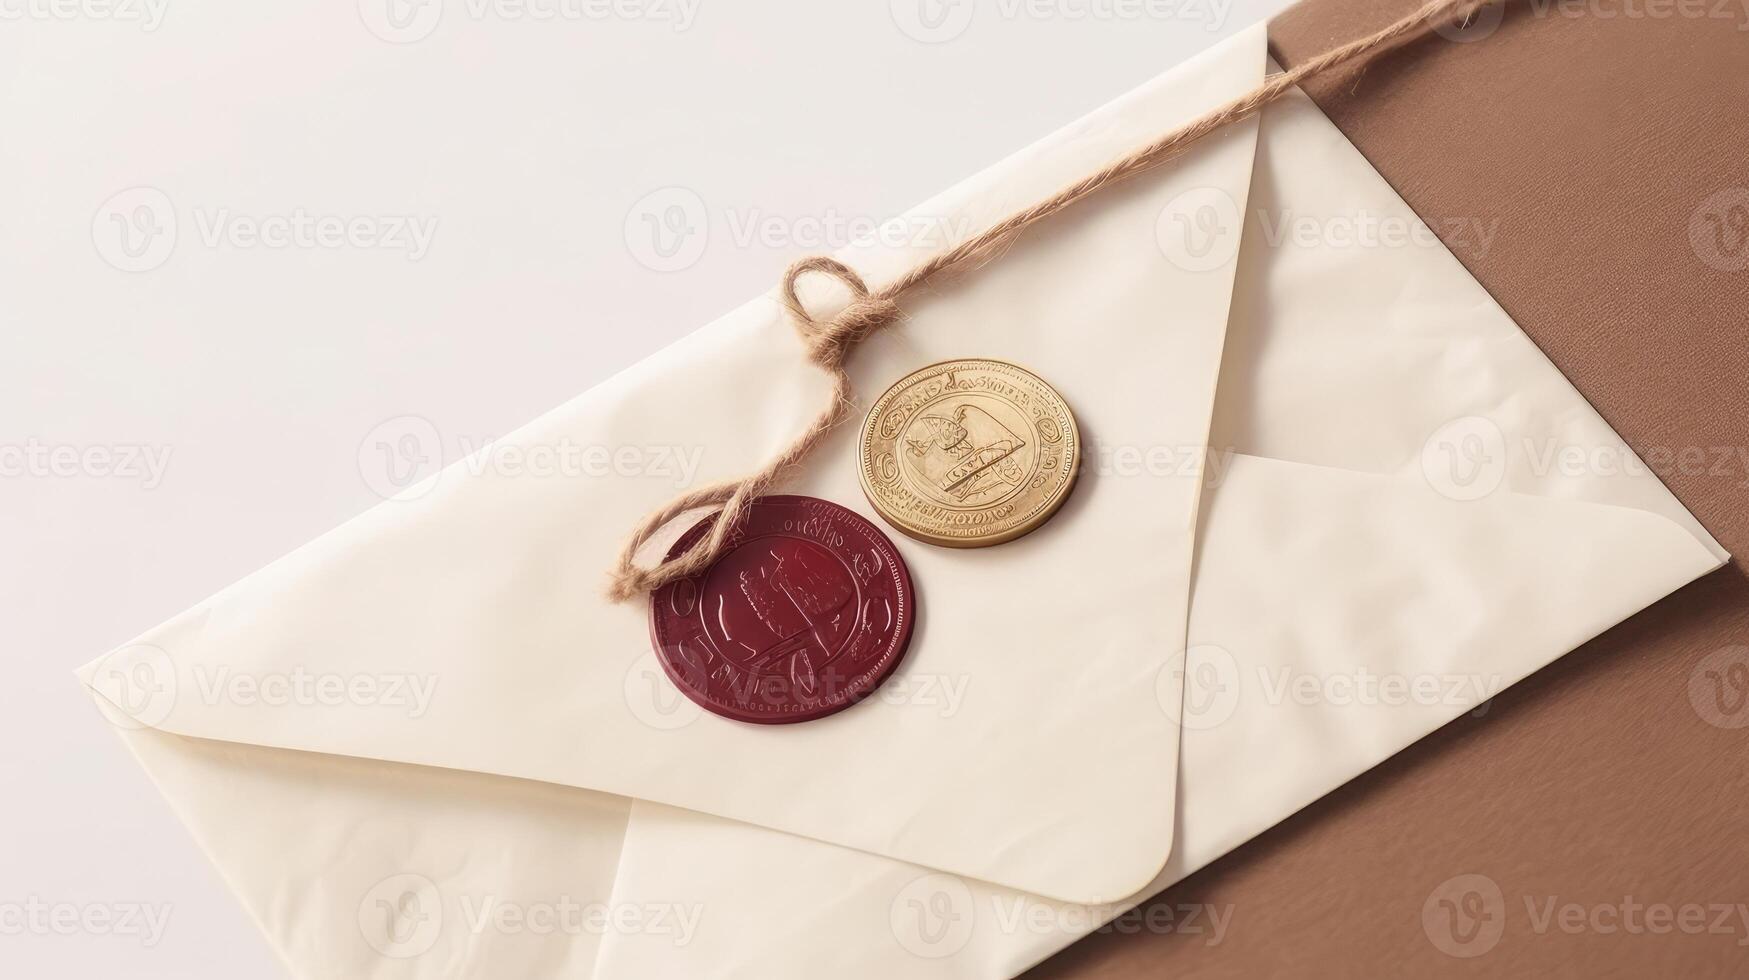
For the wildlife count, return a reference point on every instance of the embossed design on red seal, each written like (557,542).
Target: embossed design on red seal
(805,614)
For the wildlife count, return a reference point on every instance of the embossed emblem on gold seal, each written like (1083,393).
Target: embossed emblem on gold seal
(969,453)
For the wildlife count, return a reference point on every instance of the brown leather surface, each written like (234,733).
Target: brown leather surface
(1618,778)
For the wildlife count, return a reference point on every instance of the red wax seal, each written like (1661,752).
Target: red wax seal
(805,614)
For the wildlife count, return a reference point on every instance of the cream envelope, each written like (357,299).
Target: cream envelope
(1380,498)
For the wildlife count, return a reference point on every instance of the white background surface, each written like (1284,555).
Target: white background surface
(167,430)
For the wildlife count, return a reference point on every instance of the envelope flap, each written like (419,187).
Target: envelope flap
(1351,301)
(462,626)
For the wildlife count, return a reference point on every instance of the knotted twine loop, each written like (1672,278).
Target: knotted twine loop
(829,342)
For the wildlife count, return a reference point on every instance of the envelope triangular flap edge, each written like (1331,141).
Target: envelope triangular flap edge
(341,597)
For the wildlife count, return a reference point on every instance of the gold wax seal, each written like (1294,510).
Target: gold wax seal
(969,453)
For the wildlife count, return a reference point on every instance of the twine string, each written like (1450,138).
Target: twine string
(829,342)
